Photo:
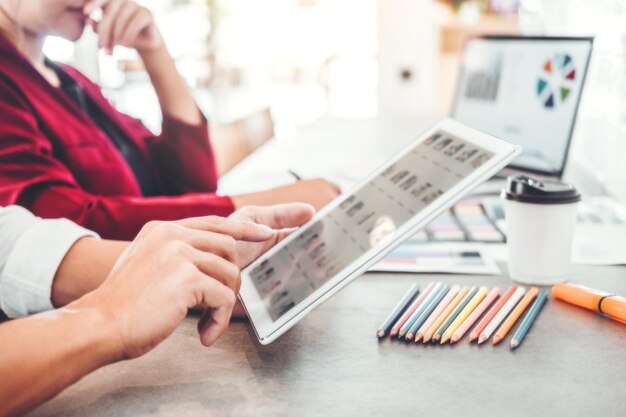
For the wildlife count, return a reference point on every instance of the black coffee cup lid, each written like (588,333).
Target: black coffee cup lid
(530,190)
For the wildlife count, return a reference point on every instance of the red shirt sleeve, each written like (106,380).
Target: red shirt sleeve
(31,176)
(182,152)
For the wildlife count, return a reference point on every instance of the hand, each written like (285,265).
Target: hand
(316,192)
(283,218)
(124,23)
(168,269)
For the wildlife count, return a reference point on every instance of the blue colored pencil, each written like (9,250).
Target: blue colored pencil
(427,312)
(529,319)
(425,303)
(398,310)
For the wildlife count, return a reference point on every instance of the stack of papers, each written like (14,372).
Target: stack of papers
(414,256)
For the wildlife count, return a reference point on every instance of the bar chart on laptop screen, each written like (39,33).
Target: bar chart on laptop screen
(483,82)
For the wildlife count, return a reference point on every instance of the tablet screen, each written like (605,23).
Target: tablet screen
(367,218)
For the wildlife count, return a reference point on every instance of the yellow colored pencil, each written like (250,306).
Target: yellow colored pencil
(473,318)
(515,315)
(464,314)
(444,315)
(435,315)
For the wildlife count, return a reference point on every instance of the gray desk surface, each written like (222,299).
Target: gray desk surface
(572,363)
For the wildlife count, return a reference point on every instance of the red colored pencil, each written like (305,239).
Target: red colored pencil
(491,314)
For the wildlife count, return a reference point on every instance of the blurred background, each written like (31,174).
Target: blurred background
(280,64)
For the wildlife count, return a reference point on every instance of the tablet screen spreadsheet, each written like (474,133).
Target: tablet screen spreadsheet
(367,218)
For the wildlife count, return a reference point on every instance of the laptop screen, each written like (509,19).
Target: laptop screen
(525,90)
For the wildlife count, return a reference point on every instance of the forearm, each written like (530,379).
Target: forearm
(84,268)
(174,97)
(47,352)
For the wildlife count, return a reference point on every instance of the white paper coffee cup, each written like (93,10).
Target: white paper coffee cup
(540,221)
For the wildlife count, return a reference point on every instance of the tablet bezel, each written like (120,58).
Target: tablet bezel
(268,330)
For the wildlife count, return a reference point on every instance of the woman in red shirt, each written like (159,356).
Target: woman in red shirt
(66,152)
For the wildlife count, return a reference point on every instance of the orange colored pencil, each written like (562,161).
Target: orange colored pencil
(444,315)
(435,315)
(469,322)
(515,315)
(490,315)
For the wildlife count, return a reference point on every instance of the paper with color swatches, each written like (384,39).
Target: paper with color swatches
(441,314)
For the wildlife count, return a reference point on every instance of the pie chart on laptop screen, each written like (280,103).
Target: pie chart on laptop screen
(556,80)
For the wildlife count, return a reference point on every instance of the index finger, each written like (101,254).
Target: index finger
(281,216)
(247,231)
(93,5)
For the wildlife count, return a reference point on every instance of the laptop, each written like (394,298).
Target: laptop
(525,90)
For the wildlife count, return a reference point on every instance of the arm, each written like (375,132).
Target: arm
(32,176)
(89,261)
(183,150)
(168,269)
(26,285)
(316,192)
(126,23)
(36,363)
(174,97)
(85,267)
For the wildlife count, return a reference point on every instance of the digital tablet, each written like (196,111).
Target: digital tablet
(361,226)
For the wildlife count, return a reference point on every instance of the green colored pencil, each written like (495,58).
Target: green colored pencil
(441,330)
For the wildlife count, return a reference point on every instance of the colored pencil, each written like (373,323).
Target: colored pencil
(417,313)
(428,336)
(454,290)
(489,316)
(427,312)
(501,315)
(484,304)
(464,314)
(414,305)
(398,310)
(529,319)
(515,315)
(442,329)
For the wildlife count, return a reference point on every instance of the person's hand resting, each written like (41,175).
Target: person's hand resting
(316,192)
